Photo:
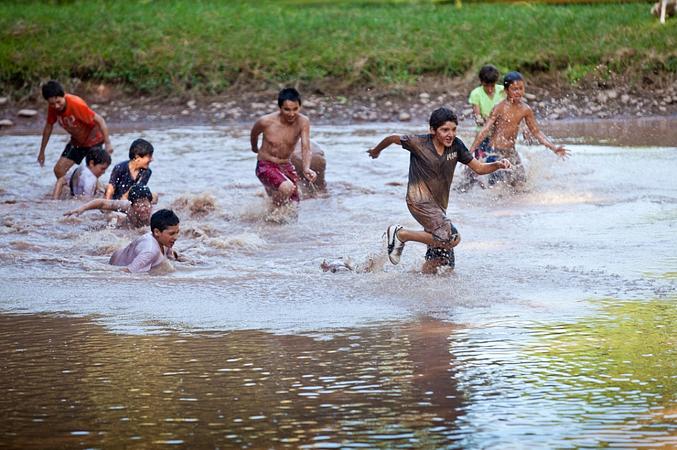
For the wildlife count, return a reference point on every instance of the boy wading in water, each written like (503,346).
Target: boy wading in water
(281,131)
(503,124)
(431,170)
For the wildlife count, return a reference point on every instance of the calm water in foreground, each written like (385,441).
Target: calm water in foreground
(555,331)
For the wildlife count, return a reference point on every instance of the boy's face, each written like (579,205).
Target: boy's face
(290,111)
(141,211)
(58,103)
(168,236)
(489,88)
(98,169)
(142,162)
(516,90)
(445,133)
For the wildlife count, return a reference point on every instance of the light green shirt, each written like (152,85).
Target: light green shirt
(480,98)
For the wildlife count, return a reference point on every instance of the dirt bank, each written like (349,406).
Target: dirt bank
(556,105)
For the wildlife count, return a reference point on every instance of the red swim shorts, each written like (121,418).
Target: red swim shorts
(273,175)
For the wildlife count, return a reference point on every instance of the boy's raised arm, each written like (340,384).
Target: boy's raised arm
(387,141)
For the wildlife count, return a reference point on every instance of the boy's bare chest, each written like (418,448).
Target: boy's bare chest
(282,135)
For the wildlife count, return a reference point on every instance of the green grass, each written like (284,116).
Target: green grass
(212,46)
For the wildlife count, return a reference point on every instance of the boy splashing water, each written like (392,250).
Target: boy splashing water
(431,170)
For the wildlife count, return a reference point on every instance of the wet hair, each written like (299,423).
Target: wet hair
(489,74)
(52,89)
(139,192)
(290,94)
(510,78)
(440,116)
(140,148)
(163,219)
(98,156)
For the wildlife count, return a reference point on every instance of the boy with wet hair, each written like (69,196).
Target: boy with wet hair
(281,131)
(504,124)
(151,249)
(136,209)
(432,162)
(87,129)
(129,173)
(84,180)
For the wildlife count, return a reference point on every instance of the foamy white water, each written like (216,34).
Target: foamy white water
(601,224)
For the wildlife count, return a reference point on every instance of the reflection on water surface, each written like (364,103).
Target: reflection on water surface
(67,382)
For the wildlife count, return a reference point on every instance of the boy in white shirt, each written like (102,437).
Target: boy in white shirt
(151,249)
(84,180)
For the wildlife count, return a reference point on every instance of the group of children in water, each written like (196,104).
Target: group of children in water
(498,109)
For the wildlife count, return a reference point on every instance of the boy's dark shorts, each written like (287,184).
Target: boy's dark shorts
(442,255)
(77,154)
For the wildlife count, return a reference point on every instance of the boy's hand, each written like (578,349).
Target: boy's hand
(41,159)
(373,153)
(562,152)
(109,149)
(504,164)
(309,174)
(74,212)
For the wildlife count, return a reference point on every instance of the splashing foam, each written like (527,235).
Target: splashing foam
(199,205)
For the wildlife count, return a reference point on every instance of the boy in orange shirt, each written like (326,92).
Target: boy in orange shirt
(88,130)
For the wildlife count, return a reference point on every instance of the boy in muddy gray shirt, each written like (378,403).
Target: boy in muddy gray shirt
(431,170)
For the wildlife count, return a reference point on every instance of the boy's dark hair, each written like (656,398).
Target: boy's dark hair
(510,78)
(140,148)
(163,219)
(52,89)
(489,74)
(98,156)
(440,116)
(139,192)
(290,94)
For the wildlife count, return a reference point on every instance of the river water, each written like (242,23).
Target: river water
(556,330)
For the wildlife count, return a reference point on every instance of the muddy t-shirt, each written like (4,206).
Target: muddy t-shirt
(430,174)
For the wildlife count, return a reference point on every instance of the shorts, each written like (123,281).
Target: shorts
(77,154)
(443,256)
(272,175)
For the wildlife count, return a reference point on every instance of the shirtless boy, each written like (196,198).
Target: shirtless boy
(88,130)
(431,171)
(281,131)
(504,123)
(136,209)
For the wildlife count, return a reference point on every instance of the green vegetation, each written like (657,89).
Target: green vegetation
(212,46)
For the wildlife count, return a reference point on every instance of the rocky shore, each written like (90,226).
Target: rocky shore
(413,104)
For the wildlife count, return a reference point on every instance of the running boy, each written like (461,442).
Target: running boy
(151,249)
(504,123)
(431,170)
(87,129)
(281,131)
(128,173)
(84,180)
(136,209)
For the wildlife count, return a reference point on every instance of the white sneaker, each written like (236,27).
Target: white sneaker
(395,246)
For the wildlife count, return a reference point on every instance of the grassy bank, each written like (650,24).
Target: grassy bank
(211,46)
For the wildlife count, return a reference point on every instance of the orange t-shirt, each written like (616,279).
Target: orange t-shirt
(78,120)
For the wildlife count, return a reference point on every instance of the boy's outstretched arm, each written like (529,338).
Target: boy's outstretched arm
(484,168)
(387,141)
(99,203)
(46,133)
(538,134)
(104,130)
(257,129)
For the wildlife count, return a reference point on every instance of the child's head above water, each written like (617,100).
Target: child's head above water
(140,148)
(489,74)
(441,116)
(511,78)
